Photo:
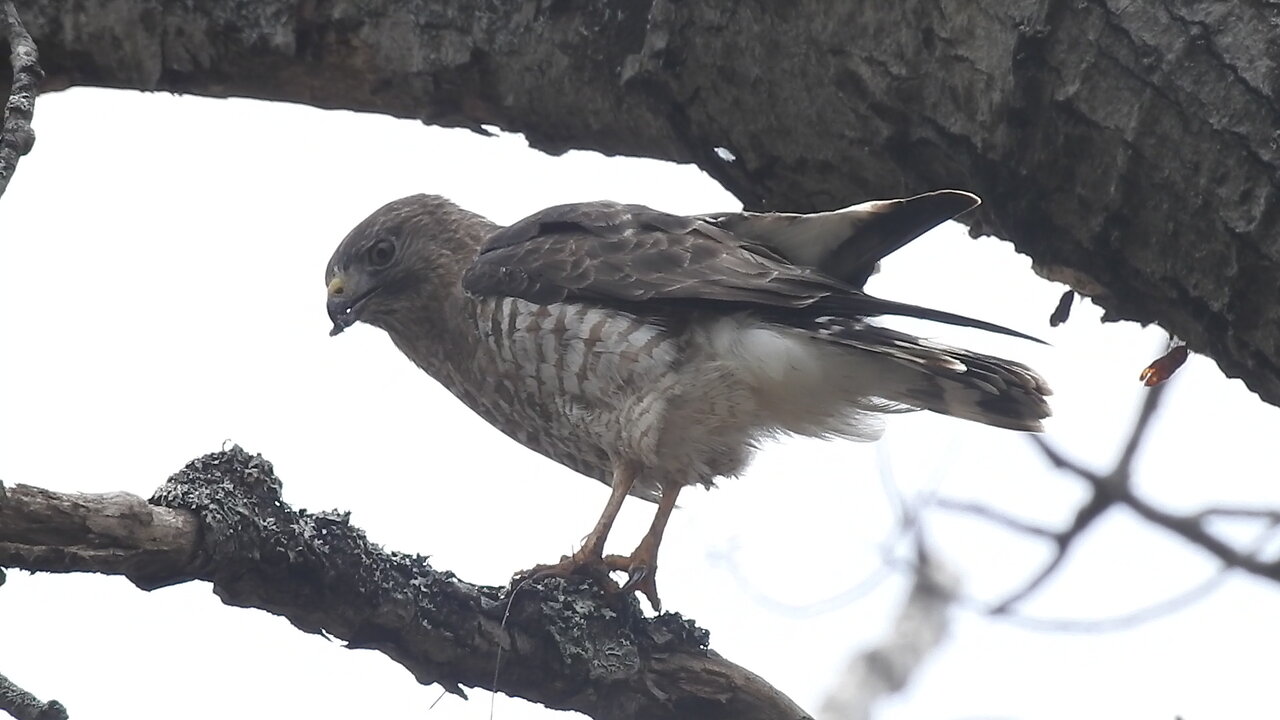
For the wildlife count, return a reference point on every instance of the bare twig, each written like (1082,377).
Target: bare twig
(221,519)
(1108,490)
(1139,433)
(1190,529)
(1085,517)
(1112,489)
(1272,515)
(22,705)
(838,600)
(1143,615)
(16,135)
(907,516)
(994,516)
(1124,621)
(883,670)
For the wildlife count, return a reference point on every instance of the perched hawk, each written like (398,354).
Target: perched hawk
(653,351)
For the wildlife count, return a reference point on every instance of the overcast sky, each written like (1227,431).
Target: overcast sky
(163,262)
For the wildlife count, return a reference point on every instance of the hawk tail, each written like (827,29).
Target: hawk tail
(918,373)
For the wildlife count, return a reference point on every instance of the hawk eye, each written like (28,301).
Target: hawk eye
(381,253)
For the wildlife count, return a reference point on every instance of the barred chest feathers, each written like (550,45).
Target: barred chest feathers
(575,382)
(580,383)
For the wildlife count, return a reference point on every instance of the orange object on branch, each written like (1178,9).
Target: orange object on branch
(1164,367)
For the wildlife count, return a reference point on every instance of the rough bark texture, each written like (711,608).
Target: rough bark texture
(19,91)
(221,519)
(1131,147)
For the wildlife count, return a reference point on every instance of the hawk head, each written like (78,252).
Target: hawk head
(407,254)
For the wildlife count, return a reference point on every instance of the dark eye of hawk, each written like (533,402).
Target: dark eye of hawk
(381,253)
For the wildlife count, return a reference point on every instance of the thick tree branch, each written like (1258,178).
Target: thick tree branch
(1128,146)
(221,519)
(16,136)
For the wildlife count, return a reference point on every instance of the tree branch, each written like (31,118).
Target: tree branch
(1115,488)
(1131,153)
(221,519)
(884,670)
(16,135)
(22,705)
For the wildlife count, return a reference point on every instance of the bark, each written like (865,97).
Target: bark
(221,519)
(19,91)
(22,705)
(1131,147)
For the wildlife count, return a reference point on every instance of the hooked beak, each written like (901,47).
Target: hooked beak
(344,305)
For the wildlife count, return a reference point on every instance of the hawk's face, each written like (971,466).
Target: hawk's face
(387,262)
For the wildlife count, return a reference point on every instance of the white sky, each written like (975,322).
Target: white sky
(163,265)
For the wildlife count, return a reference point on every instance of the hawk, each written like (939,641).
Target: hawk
(653,351)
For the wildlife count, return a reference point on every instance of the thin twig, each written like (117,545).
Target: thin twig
(1108,490)
(1190,529)
(1139,433)
(16,135)
(839,600)
(995,516)
(1115,488)
(1116,623)
(1146,614)
(1124,621)
(1270,514)
(1085,517)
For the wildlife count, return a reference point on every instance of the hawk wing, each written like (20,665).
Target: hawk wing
(847,244)
(636,257)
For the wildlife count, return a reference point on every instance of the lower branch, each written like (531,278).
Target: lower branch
(22,705)
(221,519)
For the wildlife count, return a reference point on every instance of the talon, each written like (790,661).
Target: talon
(643,581)
(641,577)
(635,576)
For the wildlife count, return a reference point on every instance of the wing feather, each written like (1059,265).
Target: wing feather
(639,256)
(847,244)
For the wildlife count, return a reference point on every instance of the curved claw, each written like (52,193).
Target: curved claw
(641,577)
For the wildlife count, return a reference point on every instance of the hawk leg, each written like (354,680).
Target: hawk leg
(588,560)
(641,566)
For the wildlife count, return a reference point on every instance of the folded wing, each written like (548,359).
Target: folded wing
(648,261)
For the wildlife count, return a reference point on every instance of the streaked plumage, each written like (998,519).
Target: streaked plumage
(653,351)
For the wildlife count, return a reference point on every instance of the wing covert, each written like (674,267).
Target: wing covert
(634,256)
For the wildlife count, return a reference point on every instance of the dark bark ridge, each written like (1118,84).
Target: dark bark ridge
(16,135)
(1128,146)
(221,519)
